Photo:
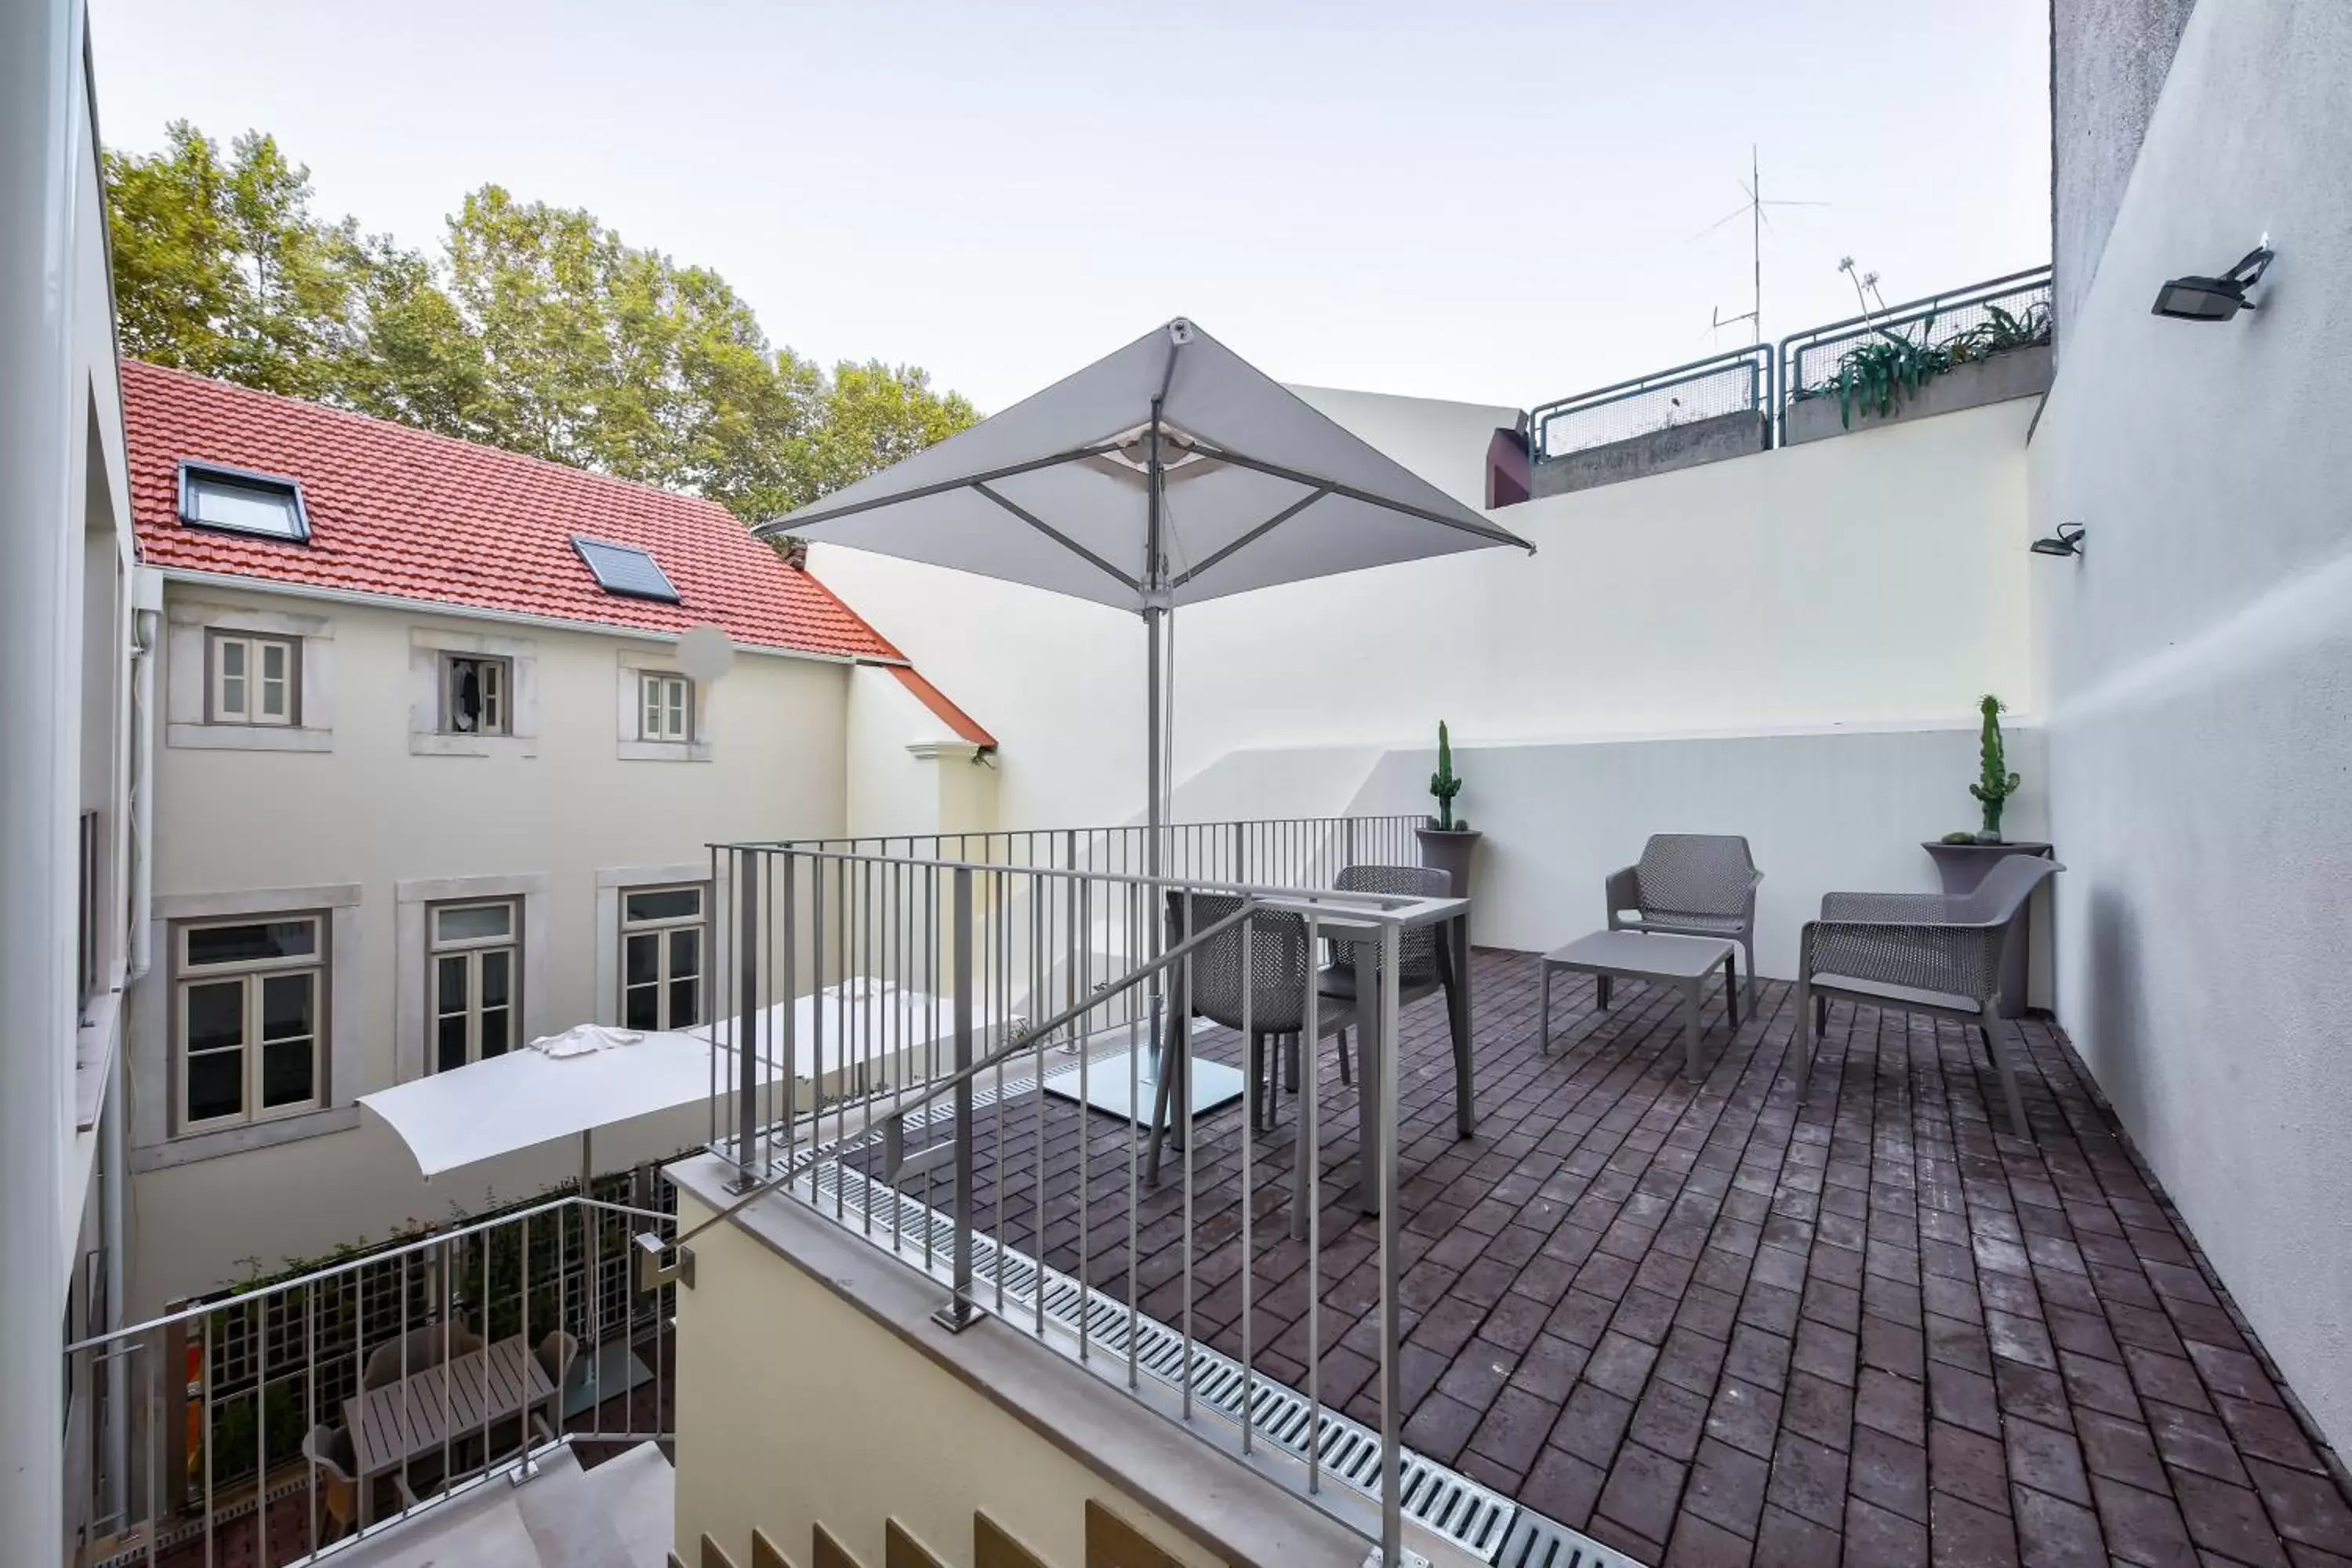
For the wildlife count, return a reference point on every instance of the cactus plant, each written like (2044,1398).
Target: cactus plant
(1993,789)
(1443,785)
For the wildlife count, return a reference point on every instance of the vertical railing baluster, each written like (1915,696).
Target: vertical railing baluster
(747,993)
(960,1309)
(1392,1386)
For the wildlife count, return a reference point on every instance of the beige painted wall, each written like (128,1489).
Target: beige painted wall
(796,1407)
(355,821)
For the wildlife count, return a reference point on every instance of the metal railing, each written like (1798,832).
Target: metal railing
(1809,360)
(1284,851)
(232,1443)
(983,1086)
(1739,381)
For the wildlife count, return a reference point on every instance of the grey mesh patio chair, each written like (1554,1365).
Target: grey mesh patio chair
(1689,884)
(1920,952)
(1210,988)
(1424,960)
(419,1349)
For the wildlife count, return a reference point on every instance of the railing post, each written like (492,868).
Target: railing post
(960,1313)
(1391,1378)
(746,1061)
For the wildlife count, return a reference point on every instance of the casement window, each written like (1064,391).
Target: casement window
(477,695)
(476,963)
(662,948)
(665,707)
(249,1000)
(253,680)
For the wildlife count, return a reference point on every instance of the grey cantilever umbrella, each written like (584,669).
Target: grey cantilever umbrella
(1167,473)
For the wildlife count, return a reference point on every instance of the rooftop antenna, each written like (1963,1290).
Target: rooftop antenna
(1757,221)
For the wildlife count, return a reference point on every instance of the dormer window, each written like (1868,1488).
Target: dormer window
(625,570)
(267,506)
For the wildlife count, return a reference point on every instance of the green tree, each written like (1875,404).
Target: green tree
(220,266)
(874,415)
(536,329)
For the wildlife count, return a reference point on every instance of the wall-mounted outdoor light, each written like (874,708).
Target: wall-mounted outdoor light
(2067,541)
(2195,299)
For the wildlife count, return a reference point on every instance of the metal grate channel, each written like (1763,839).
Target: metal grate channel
(1535,1542)
(1438,1499)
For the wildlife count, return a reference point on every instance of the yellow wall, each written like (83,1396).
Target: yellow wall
(794,1406)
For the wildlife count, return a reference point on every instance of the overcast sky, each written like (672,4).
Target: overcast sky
(1501,202)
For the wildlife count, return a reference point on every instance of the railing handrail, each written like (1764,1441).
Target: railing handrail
(1653,382)
(1917,310)
(357,1262)
(1072,873)
(1063,831)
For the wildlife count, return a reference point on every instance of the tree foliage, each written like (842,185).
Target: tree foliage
(536,328)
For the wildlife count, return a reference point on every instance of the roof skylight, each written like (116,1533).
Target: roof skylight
(625,570)
(268,506)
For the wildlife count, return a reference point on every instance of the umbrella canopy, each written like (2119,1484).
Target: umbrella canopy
(561,1087)
(1255,488)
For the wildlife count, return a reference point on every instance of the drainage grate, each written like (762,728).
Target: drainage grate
(1535,1542)
(1438,1499)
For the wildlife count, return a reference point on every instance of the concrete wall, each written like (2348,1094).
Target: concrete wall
(1657,452)
(1821,809)
(361,825)
(908,773)
(1880,579)
(2107,64)
(2019,373)
(2199,676)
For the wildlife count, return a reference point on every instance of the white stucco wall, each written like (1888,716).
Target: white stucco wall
(1879,578)
(2199,681)
(376,819)
(1821,809)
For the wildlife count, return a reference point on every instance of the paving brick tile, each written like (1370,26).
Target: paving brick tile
(1746,1415)
(2228,1519)
(1563,1486)
(2190,1441)
(1964,1398)
(1785,1540)
(2048,1460)
(1670,1419)
(2053,1532)
(1808,1478)
(1592,1423)
(1643,1490)
(1963,1531)
(1877,1538)
(1890,1473)
(2307,1508)
(1873,1326)
(2142,1527)
(1513,1431)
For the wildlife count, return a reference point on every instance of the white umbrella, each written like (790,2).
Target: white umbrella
(561,1086)
(1169,472)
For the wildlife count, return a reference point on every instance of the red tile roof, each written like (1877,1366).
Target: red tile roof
(966,727)
(400,512)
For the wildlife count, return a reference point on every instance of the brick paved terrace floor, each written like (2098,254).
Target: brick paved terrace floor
(1708,1325)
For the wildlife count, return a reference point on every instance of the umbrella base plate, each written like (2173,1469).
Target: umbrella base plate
(1214,1085)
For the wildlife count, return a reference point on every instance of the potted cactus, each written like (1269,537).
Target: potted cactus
(1447,840)
(1998,783)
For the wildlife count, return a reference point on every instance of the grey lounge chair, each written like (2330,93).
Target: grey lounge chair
(1921,952)
(1689,884)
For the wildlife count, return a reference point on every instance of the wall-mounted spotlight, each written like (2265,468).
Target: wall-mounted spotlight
(2067,541)
(2198,299)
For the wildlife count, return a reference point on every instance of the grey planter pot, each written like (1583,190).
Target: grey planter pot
(1450,851)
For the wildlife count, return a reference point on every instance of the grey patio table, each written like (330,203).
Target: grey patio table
(415,1416)
(1680,963)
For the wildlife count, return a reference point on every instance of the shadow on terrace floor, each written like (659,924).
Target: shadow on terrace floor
(1708,1325)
